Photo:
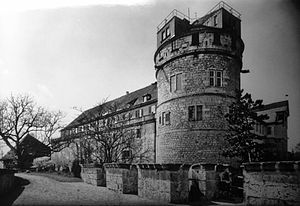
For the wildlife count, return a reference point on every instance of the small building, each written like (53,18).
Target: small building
(274,130)
(31,149)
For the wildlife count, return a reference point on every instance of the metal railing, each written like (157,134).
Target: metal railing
(173,13)
(224,5)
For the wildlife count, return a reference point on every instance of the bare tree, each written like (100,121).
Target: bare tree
(108,137)
(19,116)
(52,125)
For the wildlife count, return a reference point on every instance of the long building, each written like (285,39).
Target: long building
(180,118)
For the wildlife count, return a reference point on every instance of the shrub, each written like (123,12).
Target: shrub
(43,164)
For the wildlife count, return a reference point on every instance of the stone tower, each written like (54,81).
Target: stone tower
(198,67)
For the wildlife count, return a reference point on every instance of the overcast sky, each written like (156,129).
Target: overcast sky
(75,53)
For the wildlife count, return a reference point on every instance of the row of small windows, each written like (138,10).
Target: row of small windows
(215,80)
(263,130)
(109,121)
(195,113)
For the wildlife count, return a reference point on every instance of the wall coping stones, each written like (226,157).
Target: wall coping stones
(91,166)
(170,167)
(118,165)
(281,166)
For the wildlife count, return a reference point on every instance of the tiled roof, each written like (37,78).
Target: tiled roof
(123,102)
(32,146)
(203,19)
(272,109)
(274,105)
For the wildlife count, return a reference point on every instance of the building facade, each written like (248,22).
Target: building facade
(274,130)
(180,118)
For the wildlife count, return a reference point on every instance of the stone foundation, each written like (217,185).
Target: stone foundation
(94,176)
(7,180)
(122,178)
(272,183)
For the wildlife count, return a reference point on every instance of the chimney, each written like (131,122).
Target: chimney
(127,92)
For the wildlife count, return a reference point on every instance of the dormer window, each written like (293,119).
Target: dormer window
(280,117)
(146,97)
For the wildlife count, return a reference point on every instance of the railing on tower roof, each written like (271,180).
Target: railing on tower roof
(173,13)
(224,5)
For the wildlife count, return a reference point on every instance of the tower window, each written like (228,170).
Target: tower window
(138,133)
(195,39)
(175,45)
(176,82)
(195,113)
(168,32)
(217,40)
(199,112)
(215,78)
(163,118)
(211,78)
(167,118)
(163,35)
(219,79)
(191,110)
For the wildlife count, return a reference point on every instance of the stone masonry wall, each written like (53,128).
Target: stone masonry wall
(94,176)
(164,183)
(122,178)
(272,183)
(195,91)
(7,180)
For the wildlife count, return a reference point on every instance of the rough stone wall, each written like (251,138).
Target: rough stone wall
(122,178)
(191,141)
(94,176)
(7,180)
(184,141)
(272,183)
(164,183)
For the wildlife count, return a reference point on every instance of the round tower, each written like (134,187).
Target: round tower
(198,69)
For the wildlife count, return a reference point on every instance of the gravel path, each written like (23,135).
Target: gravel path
(45,191)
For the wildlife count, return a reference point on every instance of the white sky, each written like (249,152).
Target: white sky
(68,53)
